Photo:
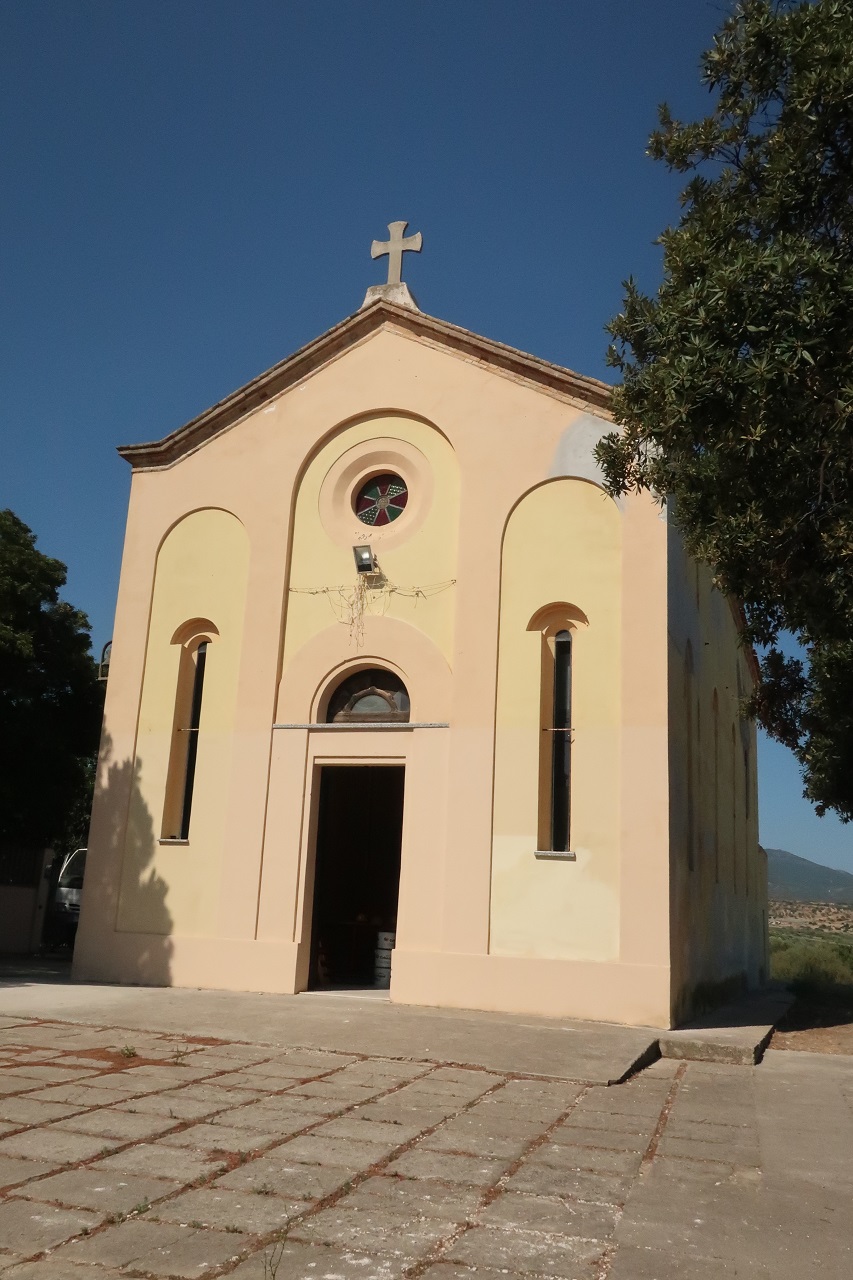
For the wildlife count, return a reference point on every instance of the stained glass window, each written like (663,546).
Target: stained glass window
(382,499)
(374,694)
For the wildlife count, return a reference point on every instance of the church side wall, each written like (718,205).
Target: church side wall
(718,872)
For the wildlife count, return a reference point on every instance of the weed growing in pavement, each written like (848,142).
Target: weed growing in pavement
(142,1207)
(263,1190)
(129,1052)
(179,1054)
(195,1223)
(233,1229)
(272,1261)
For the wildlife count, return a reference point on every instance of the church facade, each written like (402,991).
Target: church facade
(394,679)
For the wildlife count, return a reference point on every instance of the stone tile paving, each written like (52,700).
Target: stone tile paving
(176,1157)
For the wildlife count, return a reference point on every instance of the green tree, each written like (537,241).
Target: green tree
(50,698)
(737,388)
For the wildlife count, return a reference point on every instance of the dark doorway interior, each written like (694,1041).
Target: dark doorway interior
(357,873)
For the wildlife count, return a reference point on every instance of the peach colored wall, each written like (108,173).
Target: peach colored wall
(416,553)
(201,573)
(563,543)
(475,439)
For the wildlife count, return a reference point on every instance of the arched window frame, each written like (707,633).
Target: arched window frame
(195,638)
(554,825)
(382,682)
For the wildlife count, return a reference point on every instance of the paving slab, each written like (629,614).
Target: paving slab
(377,1229)
(550,1214)
(534,1253)
(473,1171)
(27,1227)
(292,1261)
(59,1271)
(268,1176)
(157,1249)
(736,1034)
(449,1201)
(561,1048)
(90,1189)
(235,1211)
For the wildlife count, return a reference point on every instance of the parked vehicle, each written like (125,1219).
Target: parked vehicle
(63,911)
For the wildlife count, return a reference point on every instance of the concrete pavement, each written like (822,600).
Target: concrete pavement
(594,1052)
(160,1152)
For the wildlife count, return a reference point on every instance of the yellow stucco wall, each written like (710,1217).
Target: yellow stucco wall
(419,567)
(562,544)
(201,573)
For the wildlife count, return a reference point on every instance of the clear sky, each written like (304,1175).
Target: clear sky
(190,189)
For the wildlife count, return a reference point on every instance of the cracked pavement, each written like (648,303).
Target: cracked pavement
(148,1153)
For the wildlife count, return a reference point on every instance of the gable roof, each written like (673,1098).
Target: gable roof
(585,393)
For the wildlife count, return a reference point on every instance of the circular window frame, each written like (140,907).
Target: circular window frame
(355,468)
(357,492)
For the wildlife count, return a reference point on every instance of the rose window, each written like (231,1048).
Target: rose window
(381,500)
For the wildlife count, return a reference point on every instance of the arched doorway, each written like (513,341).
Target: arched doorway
(358,843)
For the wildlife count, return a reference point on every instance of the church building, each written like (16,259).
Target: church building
(399,695)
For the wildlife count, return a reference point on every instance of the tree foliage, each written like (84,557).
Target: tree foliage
(737,396)
(50,699)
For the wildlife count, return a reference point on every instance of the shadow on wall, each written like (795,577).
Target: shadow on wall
(124,897)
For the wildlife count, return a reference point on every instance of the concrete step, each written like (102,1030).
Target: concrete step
(736,1033)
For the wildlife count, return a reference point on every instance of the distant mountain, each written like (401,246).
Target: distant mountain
(794,879)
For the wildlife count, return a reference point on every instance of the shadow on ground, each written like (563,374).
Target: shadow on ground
(26,970)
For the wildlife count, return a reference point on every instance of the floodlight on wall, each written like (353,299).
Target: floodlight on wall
(365,561)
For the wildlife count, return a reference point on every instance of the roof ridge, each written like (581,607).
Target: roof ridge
(314,354)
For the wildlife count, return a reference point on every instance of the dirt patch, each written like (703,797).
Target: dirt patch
(114,1059)
(819,1022)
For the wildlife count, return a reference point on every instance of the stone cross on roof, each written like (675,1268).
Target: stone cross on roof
(394,290)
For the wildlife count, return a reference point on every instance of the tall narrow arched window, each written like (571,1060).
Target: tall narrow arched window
(192,738)
(560,627)
(183,758)
(561,751)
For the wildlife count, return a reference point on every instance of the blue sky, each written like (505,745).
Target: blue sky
(191,188)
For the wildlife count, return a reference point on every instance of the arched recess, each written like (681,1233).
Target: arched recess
(560,568)
(199,596)
(318,668)
(417,553)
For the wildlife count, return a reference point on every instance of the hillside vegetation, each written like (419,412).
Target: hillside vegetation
(794,879)
(810,960)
